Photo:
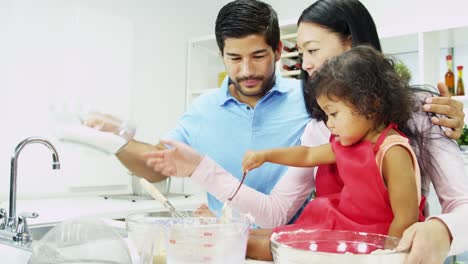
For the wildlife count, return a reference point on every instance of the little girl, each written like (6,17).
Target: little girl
(368,179)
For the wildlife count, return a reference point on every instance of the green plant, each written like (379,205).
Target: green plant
(463,140)
(403,71)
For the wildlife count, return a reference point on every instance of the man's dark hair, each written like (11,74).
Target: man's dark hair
(241,18)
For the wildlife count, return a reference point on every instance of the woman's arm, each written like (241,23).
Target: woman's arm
(298,156)
(399,175)
(444,233)
(284,200)
(451,186)
(269,210)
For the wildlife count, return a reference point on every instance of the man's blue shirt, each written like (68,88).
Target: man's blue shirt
(220,126)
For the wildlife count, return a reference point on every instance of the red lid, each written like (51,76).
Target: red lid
(460,67)
(449,57)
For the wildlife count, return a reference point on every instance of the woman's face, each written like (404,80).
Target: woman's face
(317,44)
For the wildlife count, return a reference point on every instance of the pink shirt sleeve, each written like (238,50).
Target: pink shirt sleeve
(269,210)
(451,186)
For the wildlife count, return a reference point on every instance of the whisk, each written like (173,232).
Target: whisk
(226,213)
(156,194)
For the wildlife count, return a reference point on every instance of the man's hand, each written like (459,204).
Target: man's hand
(109,123)
(180,160)
(100,131)
(429,242)
(452,109)
(253,159)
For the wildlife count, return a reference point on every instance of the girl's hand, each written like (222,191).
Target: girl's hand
(253,159)
(452,109)
(180,160)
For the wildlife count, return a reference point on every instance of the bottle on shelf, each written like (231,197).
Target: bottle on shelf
(289,46)
(449,76)
(460,88)
(290,64)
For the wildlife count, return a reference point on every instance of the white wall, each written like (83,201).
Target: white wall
(57,57)
(396,16)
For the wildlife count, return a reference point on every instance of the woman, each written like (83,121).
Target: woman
(326,29)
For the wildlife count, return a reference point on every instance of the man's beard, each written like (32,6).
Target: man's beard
(266,84)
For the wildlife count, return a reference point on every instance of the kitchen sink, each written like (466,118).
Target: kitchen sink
(160,214)
(37,233)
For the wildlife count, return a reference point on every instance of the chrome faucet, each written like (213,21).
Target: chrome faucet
(12,223)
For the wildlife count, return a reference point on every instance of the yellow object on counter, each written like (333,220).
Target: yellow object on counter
(221,77)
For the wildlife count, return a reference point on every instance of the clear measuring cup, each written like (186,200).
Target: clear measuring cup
(148,234)
(208,240)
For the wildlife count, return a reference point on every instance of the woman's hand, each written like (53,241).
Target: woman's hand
(180,160)
(429,242)
(253,159)
(452,109)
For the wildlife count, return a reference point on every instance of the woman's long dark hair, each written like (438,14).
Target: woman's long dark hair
(367,80)
(347,18)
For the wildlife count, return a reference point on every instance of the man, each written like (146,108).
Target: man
(255,108)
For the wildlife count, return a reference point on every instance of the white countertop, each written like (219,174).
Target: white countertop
(54,210)
(58,209)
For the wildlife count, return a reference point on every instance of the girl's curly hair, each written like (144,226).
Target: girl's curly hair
(367,80)
(364,78)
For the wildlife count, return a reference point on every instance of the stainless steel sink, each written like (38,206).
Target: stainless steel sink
(37,233)
(159,214)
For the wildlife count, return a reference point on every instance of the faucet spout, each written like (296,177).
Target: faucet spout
(12,219)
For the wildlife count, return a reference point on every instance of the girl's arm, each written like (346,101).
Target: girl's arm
(399,175)
(298,156)
(282,203)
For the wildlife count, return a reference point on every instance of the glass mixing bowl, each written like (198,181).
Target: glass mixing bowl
(333,247)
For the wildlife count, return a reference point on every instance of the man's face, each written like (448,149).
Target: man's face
(250,63)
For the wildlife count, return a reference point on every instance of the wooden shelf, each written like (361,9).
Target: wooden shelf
(290,54)
(290,36)
(291,73)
